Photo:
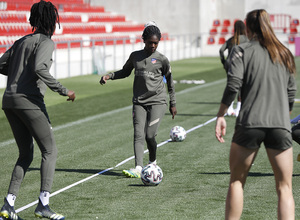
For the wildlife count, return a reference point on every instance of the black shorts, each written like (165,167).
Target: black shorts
(275,138)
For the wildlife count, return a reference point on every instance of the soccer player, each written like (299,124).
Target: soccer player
(149,94)
(296,131)
(264,70)
(239,37)
(27,65)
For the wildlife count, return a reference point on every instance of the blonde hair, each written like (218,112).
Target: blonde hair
(258,23)
(239,29)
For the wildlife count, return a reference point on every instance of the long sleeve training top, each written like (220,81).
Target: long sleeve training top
(148,86)
(27,65)
(267,89)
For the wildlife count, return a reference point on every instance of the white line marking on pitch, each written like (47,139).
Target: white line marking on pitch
(91,118)
(5,143)
(104,171)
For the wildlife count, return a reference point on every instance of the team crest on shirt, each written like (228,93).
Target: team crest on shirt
(153,60)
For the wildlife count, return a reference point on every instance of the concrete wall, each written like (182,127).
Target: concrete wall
(171,16)
(194,16)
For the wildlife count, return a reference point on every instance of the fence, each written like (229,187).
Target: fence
(92,56)
(82,57)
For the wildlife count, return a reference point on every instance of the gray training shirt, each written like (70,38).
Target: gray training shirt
(267,89)
(27,65)
(148,87)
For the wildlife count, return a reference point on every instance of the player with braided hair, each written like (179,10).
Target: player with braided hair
(44,17)
(27,65)
(149,94)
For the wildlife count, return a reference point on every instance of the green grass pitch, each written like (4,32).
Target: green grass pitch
(95,133)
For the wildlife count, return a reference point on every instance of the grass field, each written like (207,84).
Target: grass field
(95,133)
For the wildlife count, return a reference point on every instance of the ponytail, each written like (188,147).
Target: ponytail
(259,25)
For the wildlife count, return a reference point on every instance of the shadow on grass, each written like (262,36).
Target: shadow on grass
(254,174)
(210,115)
(206,103)
(88,171)
(139,185)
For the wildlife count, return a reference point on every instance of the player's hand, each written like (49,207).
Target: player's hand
(71,95)
(104,79)
(220,129)
(173,111)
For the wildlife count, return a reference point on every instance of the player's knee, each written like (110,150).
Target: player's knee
(151,140)
(25,160)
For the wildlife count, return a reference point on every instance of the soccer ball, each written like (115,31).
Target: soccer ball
(177,133)
(151,175)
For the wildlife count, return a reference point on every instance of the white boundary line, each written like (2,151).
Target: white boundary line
(104,171)
(5,143)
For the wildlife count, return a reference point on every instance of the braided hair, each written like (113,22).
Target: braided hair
(43,17)
(151,30)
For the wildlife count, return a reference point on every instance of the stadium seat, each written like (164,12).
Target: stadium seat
(295,22)
(211,40)
(222,40)
(226,23)
(79,21)
(127,28)
(224,31)
(216,23)
(291,39)
(213,31)
(293,30)
(106,18)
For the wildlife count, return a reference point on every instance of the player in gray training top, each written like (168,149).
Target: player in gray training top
(264,69)
(27,65)
(149,95)
(239,37)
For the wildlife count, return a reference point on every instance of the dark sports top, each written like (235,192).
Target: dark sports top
(267,89)
(149,70)
(228,45)
(27,65)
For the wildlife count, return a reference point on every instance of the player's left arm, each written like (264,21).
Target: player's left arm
(43,62)
(171,87)
(235,75)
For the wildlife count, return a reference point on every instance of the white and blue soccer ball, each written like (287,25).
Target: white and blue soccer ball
(177,133)
(151,175)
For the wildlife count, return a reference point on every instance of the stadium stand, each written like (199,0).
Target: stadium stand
(79,21)
(280,22)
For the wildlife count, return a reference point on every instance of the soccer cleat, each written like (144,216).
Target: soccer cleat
(236,112)
(45,212)
(133,173)
(8,212)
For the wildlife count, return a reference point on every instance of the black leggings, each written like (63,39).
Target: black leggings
(27,124)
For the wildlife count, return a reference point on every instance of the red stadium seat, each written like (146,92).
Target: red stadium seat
(295,22)
(216,23)
(293,30)
(224,31)
(226,23)
(211,40)
(221,40)
(213,31)
(291,39)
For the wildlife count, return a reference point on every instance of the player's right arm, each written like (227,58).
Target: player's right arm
(220,129)
(4,61)
(120,74)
